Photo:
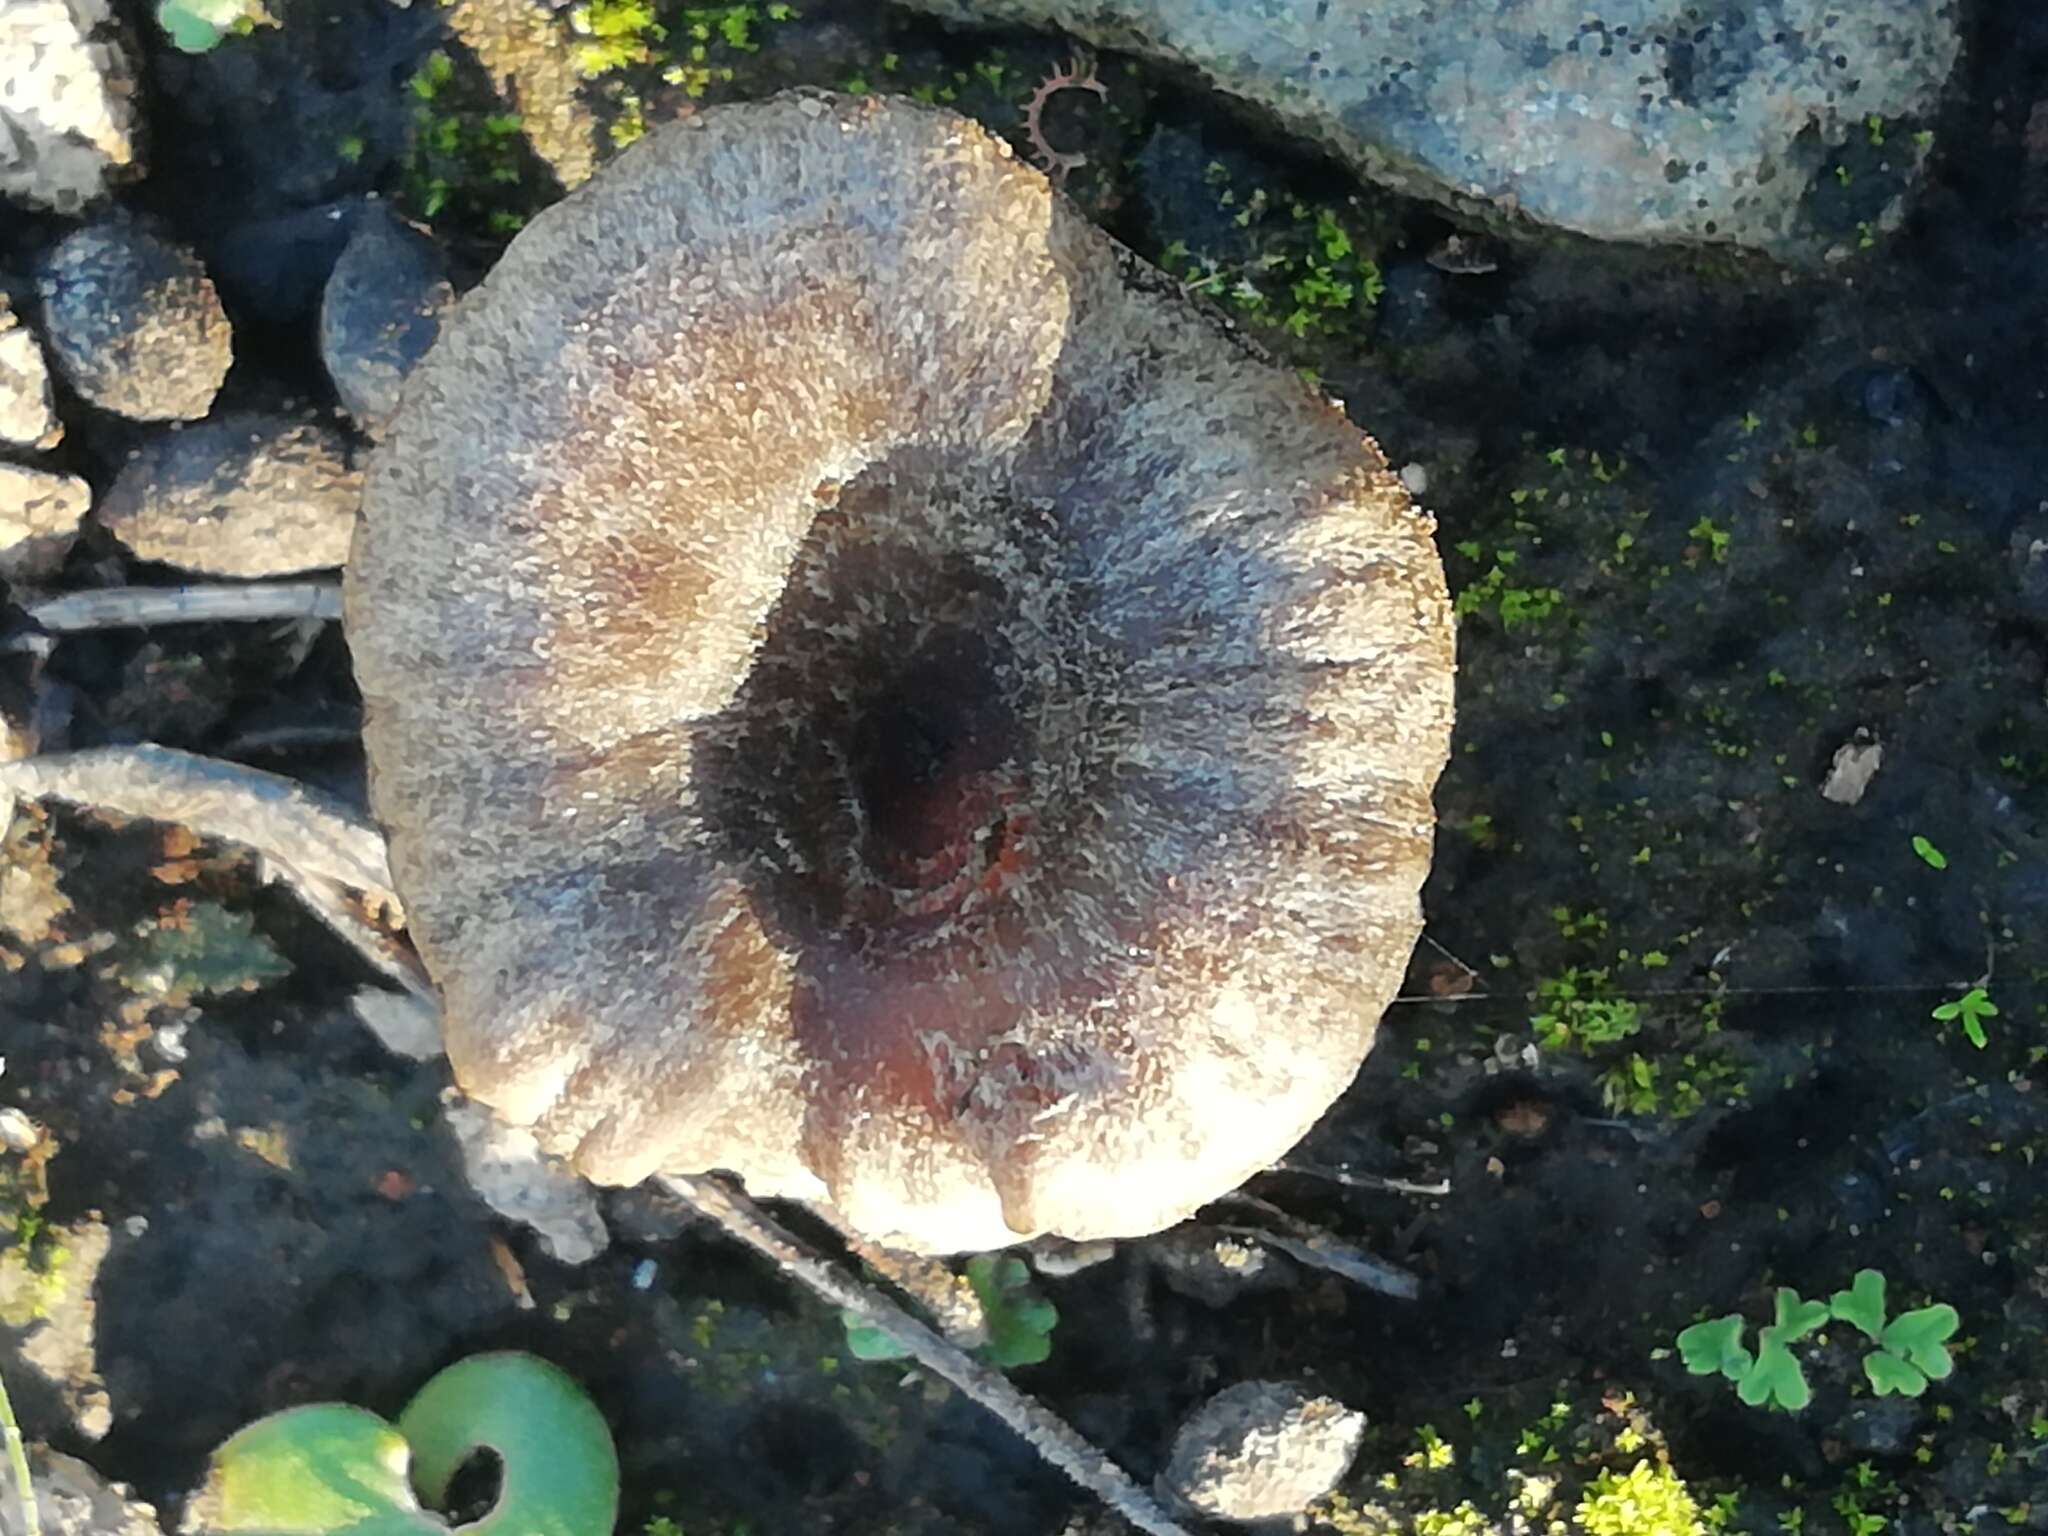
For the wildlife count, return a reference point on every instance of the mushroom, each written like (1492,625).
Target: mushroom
(872,690)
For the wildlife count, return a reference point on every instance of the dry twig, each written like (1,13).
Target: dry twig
(134,607)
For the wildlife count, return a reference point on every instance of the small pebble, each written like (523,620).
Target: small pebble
(40,511)
(17,1131)
(381,312)
(1263,1450)
(28,416)
(68,102)
(247,495)
(133,322)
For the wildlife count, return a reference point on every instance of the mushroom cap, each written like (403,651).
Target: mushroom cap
(870,689)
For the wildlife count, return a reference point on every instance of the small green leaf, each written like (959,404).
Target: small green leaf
(864,1341)
(1920,1337)
(1776,1376)
(194,26)
(1020,1321)
(1888,1374)
(1715,1348)
(1797,1318)
(1930,855)
(1862,1305)
(1972,1008)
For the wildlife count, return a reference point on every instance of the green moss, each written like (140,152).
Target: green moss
(1648,1500)
(613,34)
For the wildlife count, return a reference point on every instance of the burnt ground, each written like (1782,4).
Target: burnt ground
(1709,522)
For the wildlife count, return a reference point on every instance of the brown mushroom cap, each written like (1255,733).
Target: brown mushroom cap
(872,690)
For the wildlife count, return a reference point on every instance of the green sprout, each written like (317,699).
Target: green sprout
(1930,855)
(1910,1351)
(330,1468)
(1971,1010)
(1647,1500)
(1019,1320)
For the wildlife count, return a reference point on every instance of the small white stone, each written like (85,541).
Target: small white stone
(1416,478)
(17,1131)
(1849,775)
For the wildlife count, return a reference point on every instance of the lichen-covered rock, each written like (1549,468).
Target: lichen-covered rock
(1630,120)
(871,689)
(247,495)
(28,416)
(67,102)
(1262,1450)
(133,322)
(381,311)
(40,511)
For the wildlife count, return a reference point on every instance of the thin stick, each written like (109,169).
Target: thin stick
(132,607)
(1350,1178)
(1046,1432)
(1312,1245)
(17,1459)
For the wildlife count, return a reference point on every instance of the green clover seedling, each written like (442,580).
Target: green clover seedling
(1913,1351)
(1970,1010)
(1715,1348)
(1019,1320)
(1776,1377)
(1862,1305)
(328,1468)
(1771,1375)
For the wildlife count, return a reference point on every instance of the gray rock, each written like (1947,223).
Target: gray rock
(1631,120)
(247,495)
(74,1500)
(28,418)
(40,511)
(381,311)
(133,322)
(67,102)
(1262,1450)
